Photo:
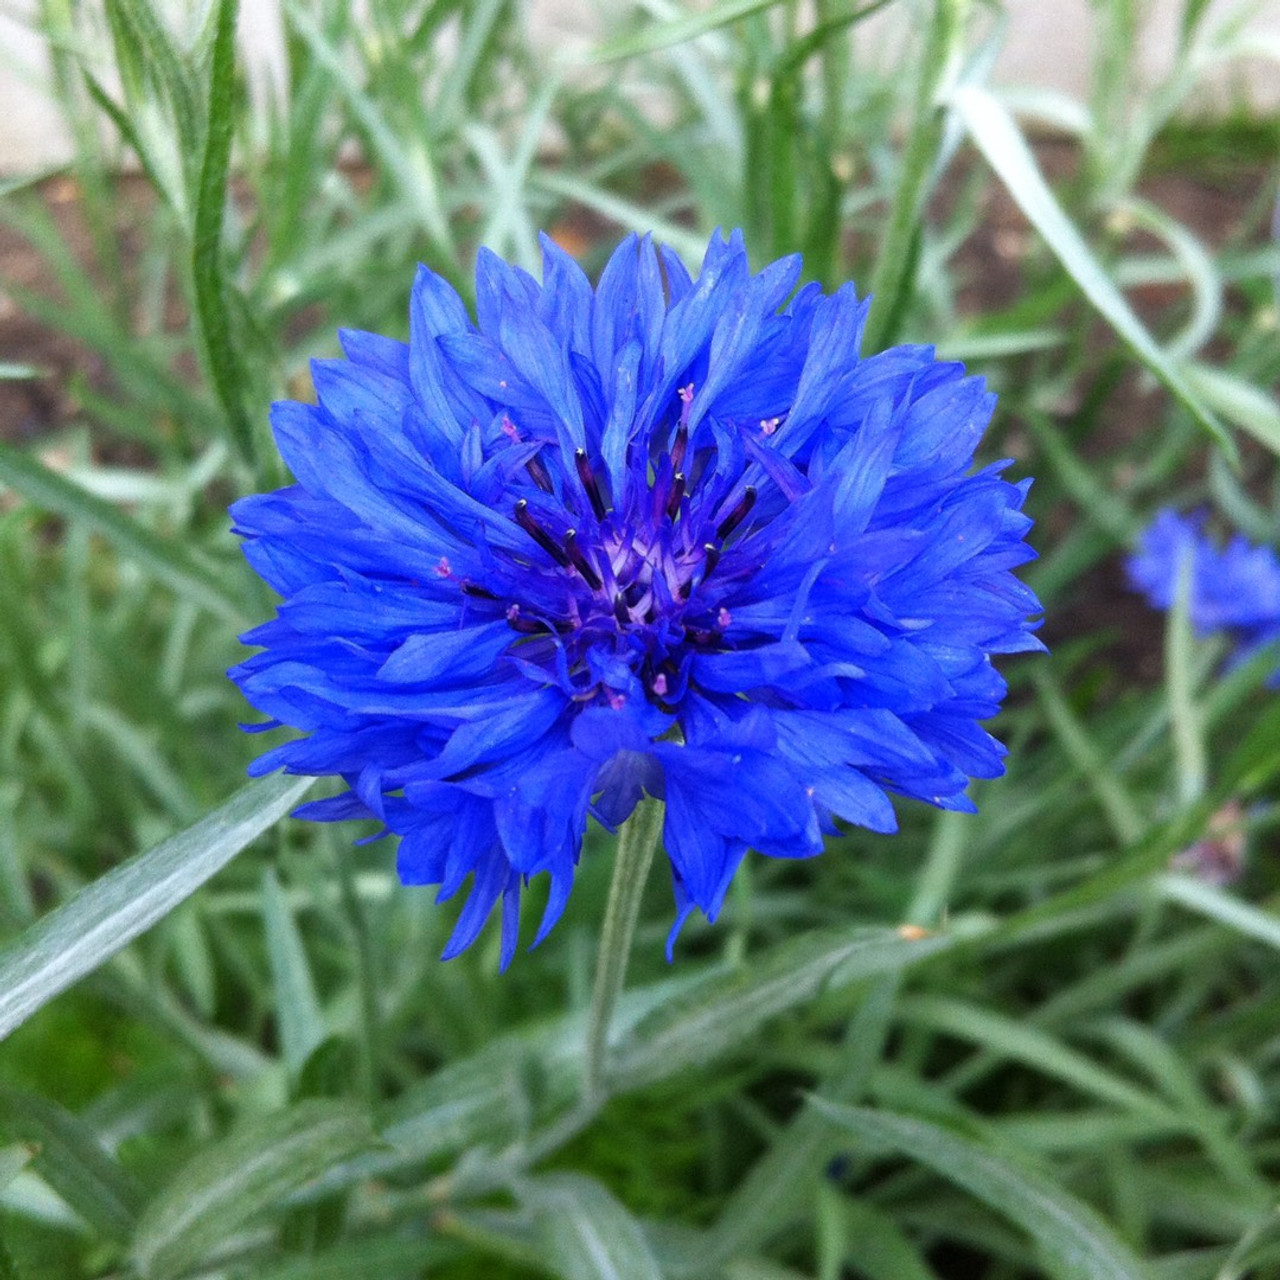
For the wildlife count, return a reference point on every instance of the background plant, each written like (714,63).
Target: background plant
(1067,1067)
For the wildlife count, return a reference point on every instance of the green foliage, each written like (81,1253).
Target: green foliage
(1011,1045)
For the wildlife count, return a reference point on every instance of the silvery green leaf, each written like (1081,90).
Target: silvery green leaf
(108,914)
(586,1233)
(228,1184)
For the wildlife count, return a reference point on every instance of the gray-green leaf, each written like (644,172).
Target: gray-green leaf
(1005,150)
(302,1025)
(588,1235)
(168,561)
(227,1185)
(726,1009)
(108,914)
(69,1157)
(1075,1244)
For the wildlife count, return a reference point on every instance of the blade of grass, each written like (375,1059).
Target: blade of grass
(167,560)
(724,1010)
(1005,149)
(108,914)
(586,1233)
(1251,766)
(1074,1242)
(633,217)
(1113,798)
(213,321)
(1250,407)
(1036,1049)
(412,167)
(899,251)
(1225,908)
(678,30)
(72,1160)
(780,1182)
(228,1184)
(1195,266)
(301,1023)
(1184,716)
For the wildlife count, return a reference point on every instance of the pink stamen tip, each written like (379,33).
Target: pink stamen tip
(513,612)
(660,684)
(769,425)
(444,569)
(617,701)
(723,618)
(686,403)
(509,428)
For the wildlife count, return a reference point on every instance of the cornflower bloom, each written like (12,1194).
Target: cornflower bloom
(671,535)
(1234,590)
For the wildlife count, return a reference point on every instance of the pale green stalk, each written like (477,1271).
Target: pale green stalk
(637,843)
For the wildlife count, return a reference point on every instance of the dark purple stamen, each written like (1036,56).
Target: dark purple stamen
(620,610)
(538,472)
(517,622)
(580,561)
(677,492)
(589,483)
(738,514)
(710,558)
(679,445)
(539,534)
(480,593)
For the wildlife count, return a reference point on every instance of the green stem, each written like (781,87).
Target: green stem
(1188,743)
(370,1056)
(637,843)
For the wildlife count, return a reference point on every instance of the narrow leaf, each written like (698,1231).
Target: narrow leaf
(72,1161)
(367,1258)
(412,167)
(1020,1042)
(1250,407)
(227,1185)
(780,1185)
(1217,904)
(13,1160)
(726,1010)
(213,322)
(588,1235)
(878,1247)
(678,30)
(1005,150)
(166,560)
(108,914)
(1074,1242)
(301,1024)
(1251,766)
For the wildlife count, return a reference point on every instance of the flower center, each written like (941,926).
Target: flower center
(627,578)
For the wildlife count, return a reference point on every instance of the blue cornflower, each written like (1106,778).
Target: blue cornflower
(1234,590)
(671,535)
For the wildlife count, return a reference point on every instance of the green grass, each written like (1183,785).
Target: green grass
(1072,1073)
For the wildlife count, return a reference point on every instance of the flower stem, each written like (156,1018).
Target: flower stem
(637,842)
